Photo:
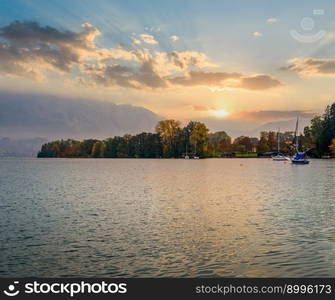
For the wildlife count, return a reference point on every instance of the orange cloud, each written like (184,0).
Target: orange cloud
(312,66)
(148,39)
(202,108)
(174,38)
(230,80)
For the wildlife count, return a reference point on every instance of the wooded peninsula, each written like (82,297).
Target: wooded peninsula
(170,140)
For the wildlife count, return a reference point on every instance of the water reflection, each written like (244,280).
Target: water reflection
(148,218)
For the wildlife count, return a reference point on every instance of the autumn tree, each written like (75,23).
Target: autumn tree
(198,137)
(272,140)
(242,144)
(332,147)
(218,143)
(87,146)
(168,131)
(97,149)
(263,146)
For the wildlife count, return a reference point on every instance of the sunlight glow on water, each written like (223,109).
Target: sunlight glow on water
(150,218)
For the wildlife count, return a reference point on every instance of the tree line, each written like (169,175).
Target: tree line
(319,137)
(172,140)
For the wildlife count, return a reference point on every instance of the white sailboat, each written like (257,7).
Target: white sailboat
(186,155)
(195,152)
(279,156)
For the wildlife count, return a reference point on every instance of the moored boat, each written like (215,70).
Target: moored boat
(279,156)
(299,158)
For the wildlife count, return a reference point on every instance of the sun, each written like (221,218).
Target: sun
(221,113)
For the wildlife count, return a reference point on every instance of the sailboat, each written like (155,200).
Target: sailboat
(279,156)
(195,152)
(299,158)
(186,155)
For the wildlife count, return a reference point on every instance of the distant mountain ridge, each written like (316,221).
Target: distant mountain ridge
(235,128)
(288,125)
(27,121)
(21,147)
(51,117)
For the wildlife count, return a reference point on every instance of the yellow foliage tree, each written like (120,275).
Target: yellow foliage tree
(168,130)
(332,146)
(199,136)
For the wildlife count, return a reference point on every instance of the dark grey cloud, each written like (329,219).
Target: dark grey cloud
(28,49)
(25,34)
(128,77)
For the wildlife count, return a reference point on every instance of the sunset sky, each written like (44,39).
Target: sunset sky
(246,61)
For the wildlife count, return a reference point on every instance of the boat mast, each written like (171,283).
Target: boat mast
(278,146)
(296,135)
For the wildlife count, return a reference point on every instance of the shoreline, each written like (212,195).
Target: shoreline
(166,158)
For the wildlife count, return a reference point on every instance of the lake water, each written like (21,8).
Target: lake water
(167,218)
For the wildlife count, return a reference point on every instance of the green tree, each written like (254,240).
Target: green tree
(328,132)
(146,145)
(313,136)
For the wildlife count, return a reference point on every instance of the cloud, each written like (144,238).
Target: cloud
(272,20)
(194,78)
(257,34)
(272,115)
(153,69)
(136,41)
(201,108)
(310,67)
(128,77)
(148,39)
(187,58)
(227,80)
(259,82)
(30,50)
(27,49)
(174,38)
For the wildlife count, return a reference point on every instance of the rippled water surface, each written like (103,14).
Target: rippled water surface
(149,218)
